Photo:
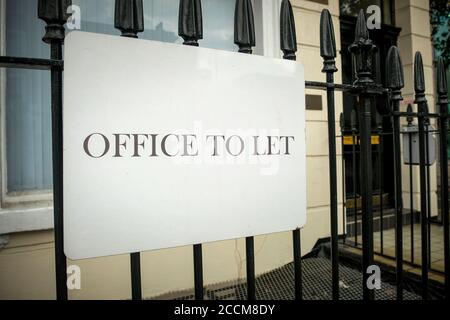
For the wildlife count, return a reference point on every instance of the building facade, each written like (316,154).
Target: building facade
(26,215)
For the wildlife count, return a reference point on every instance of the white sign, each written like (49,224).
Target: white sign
(168,145)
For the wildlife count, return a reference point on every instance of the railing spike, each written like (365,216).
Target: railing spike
(394,69)
(419,79)
(190,23)
(409,119)
(288,37)
(394,79)
(341,121)
(442,84)
(362,50)
(244,26)
(129,17)
(327,41)
(54,13)
(361,31)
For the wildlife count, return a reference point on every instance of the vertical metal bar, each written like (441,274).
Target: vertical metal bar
(419,84)
(398,202)
(355,202)
(443,126)
(244,37)
(423,207)
(288,44)
(426,127)
(198,272)
(297,264)
(354,143)
(328,53)
(333,187)
(190,28)
(362,50)
(380,181)
(55,16)
(411,198)
(411,184)
(395,81)
(366,190)
(344,220)
(135,266)
(342,124)
(129,19)
(250,265)
(57,161)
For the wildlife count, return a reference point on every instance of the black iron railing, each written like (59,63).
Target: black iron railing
(129,20)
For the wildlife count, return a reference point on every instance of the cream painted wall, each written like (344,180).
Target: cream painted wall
(27,264)
(413,17)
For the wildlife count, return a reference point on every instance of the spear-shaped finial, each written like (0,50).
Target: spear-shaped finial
(129,17)
(54,13)
(327,42)
(409,118)
(442,86)
(244,26)
(190,23)
(394,73)
(361,32)
(419,79)
(362,50)
(288,37)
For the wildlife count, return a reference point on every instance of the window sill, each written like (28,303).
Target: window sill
(25,219)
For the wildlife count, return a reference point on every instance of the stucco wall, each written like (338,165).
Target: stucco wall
(413,17)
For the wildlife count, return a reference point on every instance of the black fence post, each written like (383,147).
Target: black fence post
(362,50)
(344,191)
(410,120)
(379,122)
(395,82)
(129,19)
(244,38)
(54,13)
(353,124)
(421,101)
(190,28)
(328,53)
(443,126)
(288,44)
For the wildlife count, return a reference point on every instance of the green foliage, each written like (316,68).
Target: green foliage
(440,28)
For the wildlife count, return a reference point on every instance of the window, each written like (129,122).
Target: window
(25,97)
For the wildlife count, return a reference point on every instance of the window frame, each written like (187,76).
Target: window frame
(36,198)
